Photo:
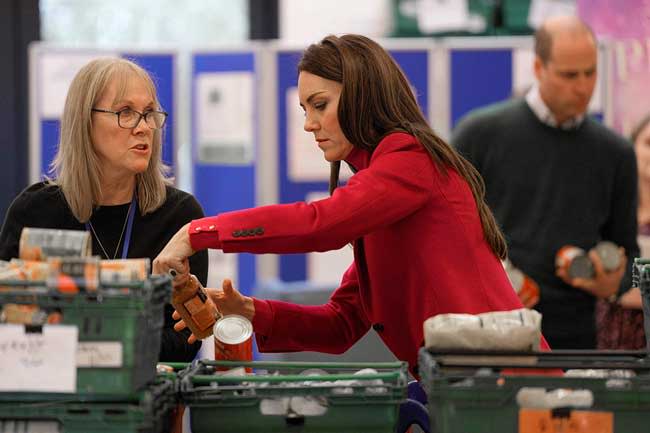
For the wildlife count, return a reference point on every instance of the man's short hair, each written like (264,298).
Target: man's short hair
(544,40)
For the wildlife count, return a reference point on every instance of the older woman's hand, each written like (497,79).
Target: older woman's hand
(175,256)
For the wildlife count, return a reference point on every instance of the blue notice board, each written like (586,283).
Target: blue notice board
(414,62)
(221,185)
(45,121)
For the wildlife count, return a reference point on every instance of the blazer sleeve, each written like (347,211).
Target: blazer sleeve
(396,184)
(331,328)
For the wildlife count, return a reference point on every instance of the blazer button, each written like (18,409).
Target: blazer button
(378,327)
(259,231)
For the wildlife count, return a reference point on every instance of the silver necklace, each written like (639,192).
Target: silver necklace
(90,224)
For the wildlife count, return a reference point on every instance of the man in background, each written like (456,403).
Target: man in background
(556,177)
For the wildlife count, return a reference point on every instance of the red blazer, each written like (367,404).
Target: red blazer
(419,251)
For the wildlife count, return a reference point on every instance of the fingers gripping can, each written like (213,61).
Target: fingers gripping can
(575,262)
(39,244)
(235,333)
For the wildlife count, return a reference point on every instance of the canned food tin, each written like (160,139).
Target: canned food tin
(124,270)
(575,262)
(39,244)
(70,274)
(525,287)
(609,255)
(235,333)
(30,270)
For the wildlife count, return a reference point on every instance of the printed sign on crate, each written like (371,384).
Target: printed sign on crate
(44,360)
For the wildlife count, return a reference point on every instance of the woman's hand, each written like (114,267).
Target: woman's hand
(228,300)
(175,256)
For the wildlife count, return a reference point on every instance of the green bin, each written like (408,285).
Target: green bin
(148,411)
(131,316)
(483,392)
(267,400)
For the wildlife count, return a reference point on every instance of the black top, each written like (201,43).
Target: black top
(548,188)
(44,206)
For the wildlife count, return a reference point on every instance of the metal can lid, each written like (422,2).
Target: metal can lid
(233,329)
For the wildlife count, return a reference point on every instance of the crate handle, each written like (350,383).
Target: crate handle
(539,398)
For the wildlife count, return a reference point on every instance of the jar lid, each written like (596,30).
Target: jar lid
(233,329)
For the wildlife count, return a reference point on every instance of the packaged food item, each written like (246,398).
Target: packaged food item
(575,262)
(39,243)
(72,274)
(124,270)
(195,307)
(525,287)
(609,255)
(235,333)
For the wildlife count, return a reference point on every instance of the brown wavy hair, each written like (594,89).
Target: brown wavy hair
(376,100)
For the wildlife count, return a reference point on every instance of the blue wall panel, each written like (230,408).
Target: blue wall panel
(224,187)
(478,78)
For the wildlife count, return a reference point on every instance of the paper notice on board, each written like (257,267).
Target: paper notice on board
(38,361)
(225,117)
(56,70)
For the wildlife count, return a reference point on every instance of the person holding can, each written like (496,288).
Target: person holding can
(424,240)
(555,177)
(108,178)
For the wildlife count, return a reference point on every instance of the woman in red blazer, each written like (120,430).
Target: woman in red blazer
(424,240)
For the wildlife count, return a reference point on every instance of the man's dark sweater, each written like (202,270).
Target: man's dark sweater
(550,187)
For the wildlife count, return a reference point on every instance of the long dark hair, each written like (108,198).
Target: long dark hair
(376,99)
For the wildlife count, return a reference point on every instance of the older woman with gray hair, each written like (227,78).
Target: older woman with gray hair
(108,178)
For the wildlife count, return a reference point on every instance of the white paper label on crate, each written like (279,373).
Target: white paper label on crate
(38,361)
(99,354)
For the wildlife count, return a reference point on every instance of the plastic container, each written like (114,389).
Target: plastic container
(498,392)
(147,412)
(123,323)
(294,396)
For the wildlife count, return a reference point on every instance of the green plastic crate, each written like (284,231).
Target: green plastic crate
(234,404)
(148,411)
(471,392)
(132,316)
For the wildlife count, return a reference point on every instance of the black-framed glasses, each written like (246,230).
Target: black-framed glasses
(129,119)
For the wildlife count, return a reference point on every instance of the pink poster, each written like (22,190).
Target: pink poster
(626,23)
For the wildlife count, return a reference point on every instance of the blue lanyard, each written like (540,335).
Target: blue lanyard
(129,225)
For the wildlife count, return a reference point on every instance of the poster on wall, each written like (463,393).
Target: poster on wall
(55,73)
(627,31)
(225,117)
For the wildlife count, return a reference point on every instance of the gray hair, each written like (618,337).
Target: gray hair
(76,168)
